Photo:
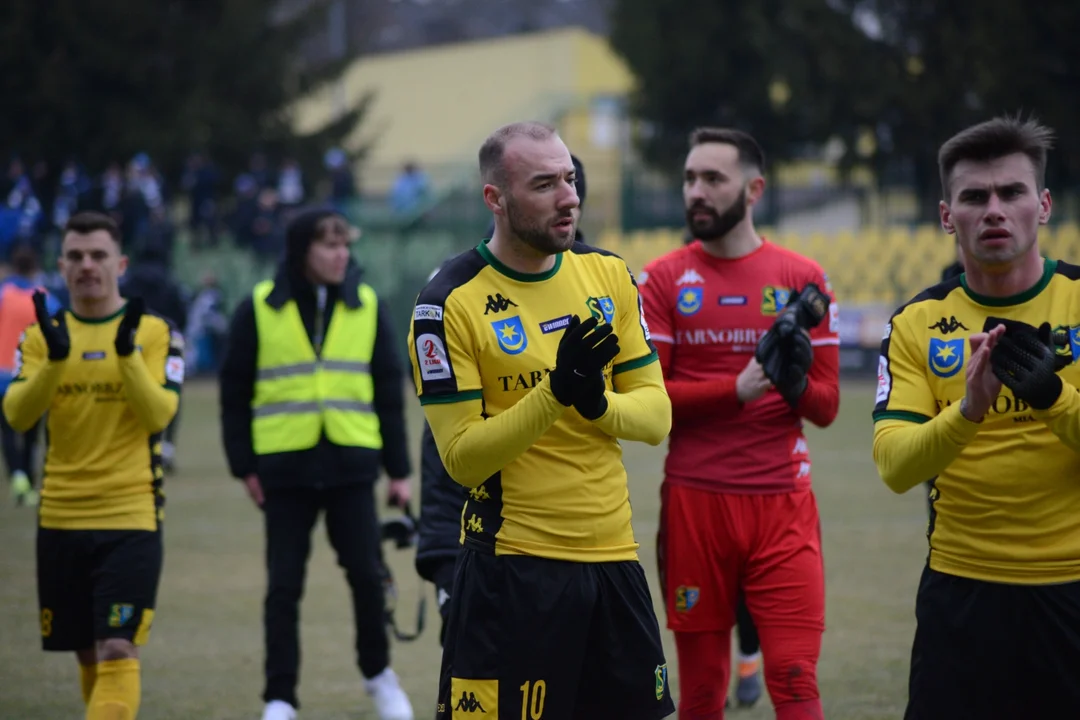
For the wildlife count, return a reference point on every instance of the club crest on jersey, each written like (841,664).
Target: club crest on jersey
(686,598)
(510,334)
(1066,342)
(774,299)
(689,300)
(946,357)
(602,308)
(120,615)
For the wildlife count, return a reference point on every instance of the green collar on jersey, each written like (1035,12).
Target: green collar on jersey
(1049,268)
(99,320)
(494,262)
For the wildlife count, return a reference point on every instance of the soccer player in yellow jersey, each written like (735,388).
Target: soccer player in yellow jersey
(975,394)
(108,376)
(532,361)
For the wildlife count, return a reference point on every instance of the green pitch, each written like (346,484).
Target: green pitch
(205,656)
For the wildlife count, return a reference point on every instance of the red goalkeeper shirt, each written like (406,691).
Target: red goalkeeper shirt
(706,315)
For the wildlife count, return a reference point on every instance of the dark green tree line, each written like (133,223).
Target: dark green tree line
(912,72)
(103,79)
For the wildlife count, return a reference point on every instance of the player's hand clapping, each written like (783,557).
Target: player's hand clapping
(129,324)
(584,350)
(54,330)
(982,386)
(1024,361)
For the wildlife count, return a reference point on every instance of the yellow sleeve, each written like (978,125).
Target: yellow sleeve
(912,441)
(441,349)
(635,346)
(639,409)
(903,391)
(908,453)
(443,354)
(473,448)
(152,377)
(1063,417)
(35,383)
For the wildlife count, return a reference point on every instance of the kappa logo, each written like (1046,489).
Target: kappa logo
(497,304)
(468,703)
(690,277)
(946,326)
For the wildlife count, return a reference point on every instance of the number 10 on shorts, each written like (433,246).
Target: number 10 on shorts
(532,703)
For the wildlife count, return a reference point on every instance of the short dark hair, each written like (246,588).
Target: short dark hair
(995,139)
(89,221)
(491,152)
(750,153)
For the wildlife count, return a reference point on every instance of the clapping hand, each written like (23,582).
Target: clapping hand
(129,324)
(54,330)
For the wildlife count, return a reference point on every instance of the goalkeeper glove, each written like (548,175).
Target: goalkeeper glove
(785,352)
(1024,360)
(55,331)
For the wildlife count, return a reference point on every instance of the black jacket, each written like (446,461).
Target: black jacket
(326,464)
(153,282)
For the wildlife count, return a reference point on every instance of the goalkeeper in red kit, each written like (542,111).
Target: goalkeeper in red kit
(747,337)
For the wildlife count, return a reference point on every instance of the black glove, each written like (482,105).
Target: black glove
(785,352)
(125,332)
(1024,360)
(55,331)
(584,350)
(785,355)
(591,402)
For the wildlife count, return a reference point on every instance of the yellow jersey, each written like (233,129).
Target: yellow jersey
(486,334)
(104,417)
(1007,507)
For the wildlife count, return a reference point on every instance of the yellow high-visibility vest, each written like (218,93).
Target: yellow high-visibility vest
(298,396)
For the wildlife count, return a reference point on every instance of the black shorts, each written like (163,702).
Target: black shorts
(988,650)
(548,639)
(96,585)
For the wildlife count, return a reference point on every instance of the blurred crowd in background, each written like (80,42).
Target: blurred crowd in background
(206,208)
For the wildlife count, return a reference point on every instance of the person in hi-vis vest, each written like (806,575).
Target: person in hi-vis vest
(312,410)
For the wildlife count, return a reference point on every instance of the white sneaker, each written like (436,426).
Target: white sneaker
(391,702)
(279,710)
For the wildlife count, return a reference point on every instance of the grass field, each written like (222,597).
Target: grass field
(204,660)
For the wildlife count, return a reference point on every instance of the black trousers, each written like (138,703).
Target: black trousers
(353,529)
(991,651)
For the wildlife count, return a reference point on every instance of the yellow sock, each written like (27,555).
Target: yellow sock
(87,677)
(117,691)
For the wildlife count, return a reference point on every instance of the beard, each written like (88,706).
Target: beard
(718,224)
(537,235)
